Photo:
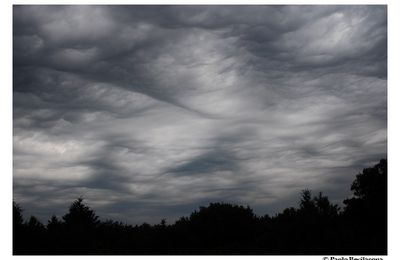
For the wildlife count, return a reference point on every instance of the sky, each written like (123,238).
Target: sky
(149,112)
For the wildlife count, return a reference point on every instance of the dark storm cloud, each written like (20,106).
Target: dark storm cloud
(150,111)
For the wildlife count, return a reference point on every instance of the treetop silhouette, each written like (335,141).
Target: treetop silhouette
(80,216)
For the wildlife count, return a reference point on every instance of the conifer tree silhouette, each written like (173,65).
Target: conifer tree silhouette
(80,225)
(80,216)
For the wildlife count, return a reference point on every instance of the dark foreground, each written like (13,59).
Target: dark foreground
(315,227)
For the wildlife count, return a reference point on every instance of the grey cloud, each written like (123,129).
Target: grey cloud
(150,111)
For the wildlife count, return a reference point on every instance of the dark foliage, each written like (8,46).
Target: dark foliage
(367,210)
(316,227)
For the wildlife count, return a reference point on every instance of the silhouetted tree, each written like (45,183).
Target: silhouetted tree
(80,216)
(220,227)
(35,225)
(18,228)
(324,207)
(372,182)
(366,211)
(54,224)
(370,192)
(17,215)
(80,225)
(56,235)
(307,209)
(306,202)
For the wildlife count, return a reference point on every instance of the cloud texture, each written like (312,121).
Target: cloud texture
(150,111)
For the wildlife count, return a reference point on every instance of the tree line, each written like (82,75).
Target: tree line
(314,227)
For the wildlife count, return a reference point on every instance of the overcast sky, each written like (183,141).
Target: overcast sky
(150,112)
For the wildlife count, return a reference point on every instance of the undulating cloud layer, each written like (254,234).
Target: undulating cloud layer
(150,111)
